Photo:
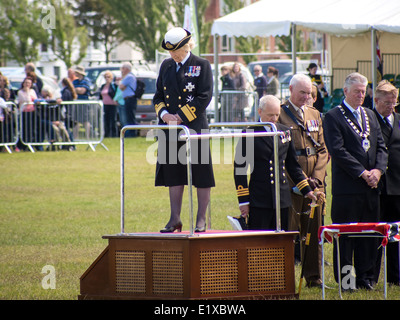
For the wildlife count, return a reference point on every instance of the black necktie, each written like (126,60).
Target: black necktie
(386,120)
(179,66)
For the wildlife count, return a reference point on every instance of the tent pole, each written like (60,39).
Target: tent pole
(374,61)
(216,93)
(294,49)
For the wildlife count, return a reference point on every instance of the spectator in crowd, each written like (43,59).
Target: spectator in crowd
(226,97)
(26,97)
(6,124)
(239,100)
(30,70)
(385,100)
(81,111)
(359,158)
(368,100)
(307,136)
(128,88)
(107,93)
(184,90)
(47,113)
(260,81)
(257,197)
(68,93)
(81,83)
(317,79)
(6,91)
(71,75)
(273,82)
(119,99)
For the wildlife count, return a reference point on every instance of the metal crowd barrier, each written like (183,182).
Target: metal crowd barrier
(8,126)
(237,106)
(66,124)
(188,137)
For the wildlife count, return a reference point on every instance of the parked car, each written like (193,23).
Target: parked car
(145,110)
(93,72)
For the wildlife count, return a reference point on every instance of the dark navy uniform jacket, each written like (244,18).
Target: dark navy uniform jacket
(260,191)
(187,93)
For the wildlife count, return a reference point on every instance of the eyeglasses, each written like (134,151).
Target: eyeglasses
(256,70)
(389,103)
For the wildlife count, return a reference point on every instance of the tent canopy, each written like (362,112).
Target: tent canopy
(338,17)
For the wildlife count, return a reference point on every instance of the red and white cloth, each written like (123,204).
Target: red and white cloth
(389,231)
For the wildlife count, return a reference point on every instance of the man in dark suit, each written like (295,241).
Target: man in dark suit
(183,92)
(385,100)
(359,158)
(257,198)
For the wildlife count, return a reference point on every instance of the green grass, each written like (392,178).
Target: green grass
(56,206)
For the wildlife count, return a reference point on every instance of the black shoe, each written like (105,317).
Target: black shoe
(316,284)
(364,284)
(171,229)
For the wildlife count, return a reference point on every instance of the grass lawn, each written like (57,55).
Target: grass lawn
(56,206)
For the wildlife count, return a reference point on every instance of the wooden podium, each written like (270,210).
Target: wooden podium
(210,265)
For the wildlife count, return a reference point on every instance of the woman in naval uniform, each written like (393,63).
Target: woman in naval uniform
(184,90)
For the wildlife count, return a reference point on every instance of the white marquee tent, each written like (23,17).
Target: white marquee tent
(335,17)
(339,17)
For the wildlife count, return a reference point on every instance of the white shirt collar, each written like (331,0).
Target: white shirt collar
(185,59)
(350,107)
(389,117)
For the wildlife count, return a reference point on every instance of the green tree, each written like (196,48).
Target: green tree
(68,41)
(21,31)
(102,27)
(143,22)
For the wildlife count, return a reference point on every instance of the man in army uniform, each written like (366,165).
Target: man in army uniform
(307,134)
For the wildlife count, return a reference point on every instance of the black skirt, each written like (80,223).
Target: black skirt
(171,168)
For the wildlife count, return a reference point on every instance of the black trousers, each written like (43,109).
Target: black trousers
(360,252)
(265,218)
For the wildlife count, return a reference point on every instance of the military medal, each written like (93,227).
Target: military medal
(364,135)
(193,71)
(189,87)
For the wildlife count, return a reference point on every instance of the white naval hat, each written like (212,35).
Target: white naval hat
(175,38)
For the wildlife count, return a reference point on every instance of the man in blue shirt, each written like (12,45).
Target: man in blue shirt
(81,84)
(128,87)
(80,112)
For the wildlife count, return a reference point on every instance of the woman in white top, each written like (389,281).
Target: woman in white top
(26,95)
(26,98)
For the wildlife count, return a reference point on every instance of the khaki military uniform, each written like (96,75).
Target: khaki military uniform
(312,156)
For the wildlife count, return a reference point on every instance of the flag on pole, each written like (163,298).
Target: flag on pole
(190,24)
(379,64)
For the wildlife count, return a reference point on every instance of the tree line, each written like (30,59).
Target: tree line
(67,27)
